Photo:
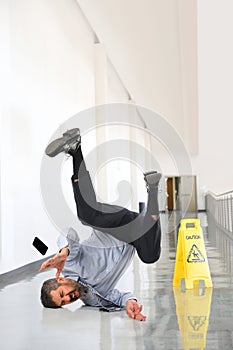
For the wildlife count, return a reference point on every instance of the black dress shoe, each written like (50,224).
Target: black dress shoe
(69,142)
(152,179)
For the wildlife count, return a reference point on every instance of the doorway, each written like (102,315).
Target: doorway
(181,193)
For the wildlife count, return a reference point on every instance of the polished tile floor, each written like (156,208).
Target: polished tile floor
(196,319)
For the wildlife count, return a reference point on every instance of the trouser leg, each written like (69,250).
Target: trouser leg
(104,217)
(140,230)
(99,215)
(148,245)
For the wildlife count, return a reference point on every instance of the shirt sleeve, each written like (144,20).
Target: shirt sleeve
(69,239)
(119,298)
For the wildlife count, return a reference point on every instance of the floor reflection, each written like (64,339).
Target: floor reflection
(176,320)
(193,312)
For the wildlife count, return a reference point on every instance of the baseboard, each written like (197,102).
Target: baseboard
(25,272)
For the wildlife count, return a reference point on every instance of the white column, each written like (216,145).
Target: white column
(101,89)
(133,173)
(187,15)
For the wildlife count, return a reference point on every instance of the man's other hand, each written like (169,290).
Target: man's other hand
(57,262)
(133,310)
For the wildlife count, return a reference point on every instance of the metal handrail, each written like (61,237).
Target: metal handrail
(220,195)
(219,209)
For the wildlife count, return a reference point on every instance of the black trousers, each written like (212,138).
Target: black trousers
(139,230)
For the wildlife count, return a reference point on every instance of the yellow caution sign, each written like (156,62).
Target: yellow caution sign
(193,312)
(191,259)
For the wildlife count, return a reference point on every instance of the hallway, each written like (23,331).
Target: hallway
(26,325)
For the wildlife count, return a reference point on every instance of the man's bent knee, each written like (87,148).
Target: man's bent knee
(151,259)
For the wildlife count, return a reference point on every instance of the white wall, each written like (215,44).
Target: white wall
(48,74)
(215,75)
(47,66)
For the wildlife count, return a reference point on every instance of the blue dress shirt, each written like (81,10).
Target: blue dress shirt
(98,263)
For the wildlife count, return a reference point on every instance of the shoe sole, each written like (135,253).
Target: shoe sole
(152,178)
(71,132)
(62,144)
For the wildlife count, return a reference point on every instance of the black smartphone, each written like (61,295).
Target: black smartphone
(40,246)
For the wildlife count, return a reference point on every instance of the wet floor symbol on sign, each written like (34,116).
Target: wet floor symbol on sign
(196,322)
(195,255)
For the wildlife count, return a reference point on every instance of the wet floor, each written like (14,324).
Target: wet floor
(195,319)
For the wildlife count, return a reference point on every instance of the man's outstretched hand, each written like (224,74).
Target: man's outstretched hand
(133,310)
(58,262)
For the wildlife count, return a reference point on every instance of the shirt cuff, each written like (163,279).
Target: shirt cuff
(67,249)
(127,297)
(62,242)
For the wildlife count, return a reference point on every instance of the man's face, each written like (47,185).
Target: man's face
(68,292)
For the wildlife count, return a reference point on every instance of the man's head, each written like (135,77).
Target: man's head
(61,291)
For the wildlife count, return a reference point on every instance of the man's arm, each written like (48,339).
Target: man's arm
(69,239)
(126,300)
(68,245)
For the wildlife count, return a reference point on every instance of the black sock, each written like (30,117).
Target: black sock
(79,166)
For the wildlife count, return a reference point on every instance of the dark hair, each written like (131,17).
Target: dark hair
(45,297)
